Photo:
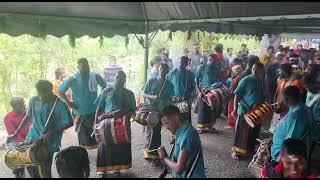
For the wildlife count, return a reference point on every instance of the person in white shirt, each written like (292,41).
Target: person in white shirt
(196,58)
(110,71)
(230,55)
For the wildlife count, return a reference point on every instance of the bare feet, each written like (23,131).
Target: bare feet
(235,156)
(228,127)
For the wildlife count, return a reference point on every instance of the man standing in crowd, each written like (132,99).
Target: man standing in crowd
(269,55)
(110,71)
(196,58)
(155,64)
(187,158)
(165,59)
(243,53)
(230,55)
(12,120)
(271,76)
(286,80)
(84,85)
(186,53)
(39,110)
(60,75)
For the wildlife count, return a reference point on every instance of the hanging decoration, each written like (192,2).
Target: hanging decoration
(126,41)
(170,36)
(72,41)
(189,35)
(101,41)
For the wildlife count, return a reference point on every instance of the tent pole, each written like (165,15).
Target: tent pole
(146,51)
(146,42)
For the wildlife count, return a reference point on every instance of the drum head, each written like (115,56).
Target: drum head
(153,119)
(249,121)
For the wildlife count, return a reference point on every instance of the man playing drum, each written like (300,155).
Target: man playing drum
(12,120)
(295,124)
(111,156)
(206,75)
(39,109)
(183,82)
(159,92)
(187,157)
(249,93)
(84,85)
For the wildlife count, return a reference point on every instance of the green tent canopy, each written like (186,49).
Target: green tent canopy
(122,18)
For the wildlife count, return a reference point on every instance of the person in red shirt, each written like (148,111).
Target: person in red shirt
(12,121)
(292,162)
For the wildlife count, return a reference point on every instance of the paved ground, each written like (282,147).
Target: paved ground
(216,149)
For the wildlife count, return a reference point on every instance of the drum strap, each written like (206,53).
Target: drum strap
(165,81)
(160,92)
(313,100)
(194,164)
(49,117)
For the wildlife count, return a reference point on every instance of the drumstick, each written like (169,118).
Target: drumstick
(153,150)
(275,103)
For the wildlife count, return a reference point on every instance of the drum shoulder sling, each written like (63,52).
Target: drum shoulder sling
(31,154)
(113,128)
(180,102)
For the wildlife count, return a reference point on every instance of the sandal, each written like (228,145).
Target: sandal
(235,156)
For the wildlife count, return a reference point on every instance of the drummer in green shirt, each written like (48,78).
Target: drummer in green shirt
(184,84)
(39,110)
(159,92)
(187,158)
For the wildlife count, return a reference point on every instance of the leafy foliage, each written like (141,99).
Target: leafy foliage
(25,59)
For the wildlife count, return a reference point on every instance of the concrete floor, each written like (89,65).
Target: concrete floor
(216,149)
